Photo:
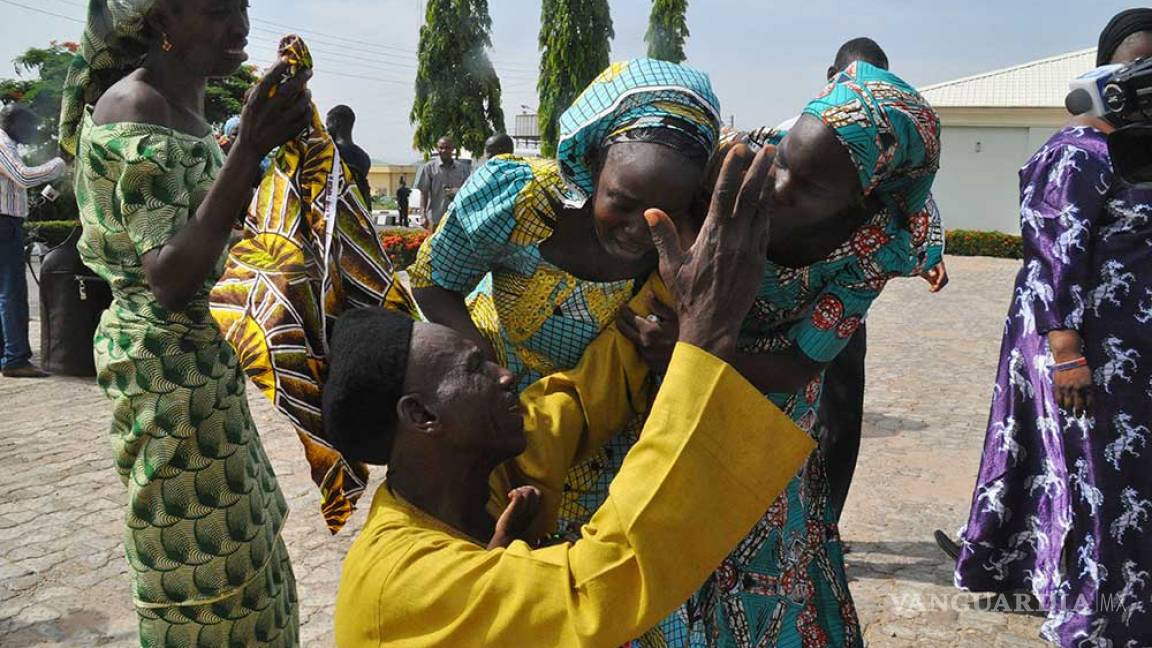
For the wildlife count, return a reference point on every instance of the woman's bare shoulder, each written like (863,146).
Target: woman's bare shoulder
(134,101)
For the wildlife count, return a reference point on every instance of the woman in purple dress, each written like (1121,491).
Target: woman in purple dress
(1063,501)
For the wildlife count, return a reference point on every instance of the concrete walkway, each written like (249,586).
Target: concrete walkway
(932,359)
(931,365)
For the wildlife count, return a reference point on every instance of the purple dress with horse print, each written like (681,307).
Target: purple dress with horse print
(1062,503)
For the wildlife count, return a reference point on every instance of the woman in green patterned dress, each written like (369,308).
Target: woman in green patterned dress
(157,201)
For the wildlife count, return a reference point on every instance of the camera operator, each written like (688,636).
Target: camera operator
(1071,407)
(17,126)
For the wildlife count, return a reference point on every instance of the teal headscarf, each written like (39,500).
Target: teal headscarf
(114,43)
(628,97)
(891,132)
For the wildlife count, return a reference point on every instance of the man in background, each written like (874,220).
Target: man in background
(440,180)
(340,120)
(498,144)
(17,126)
(228,134)
(857,49)
(402,195)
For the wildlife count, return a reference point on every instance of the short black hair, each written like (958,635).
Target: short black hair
(860,49)
(343,113)
(368,362)
(500,143)
(13,111)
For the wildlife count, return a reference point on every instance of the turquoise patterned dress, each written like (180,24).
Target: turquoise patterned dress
(785,584)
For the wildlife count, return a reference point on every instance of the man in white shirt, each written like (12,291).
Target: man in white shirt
(17,126)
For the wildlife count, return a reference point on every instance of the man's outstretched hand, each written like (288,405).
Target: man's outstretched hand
(715,281)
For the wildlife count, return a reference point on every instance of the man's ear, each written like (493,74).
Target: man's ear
(411,410)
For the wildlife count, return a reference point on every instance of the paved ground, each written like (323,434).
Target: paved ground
(931,363)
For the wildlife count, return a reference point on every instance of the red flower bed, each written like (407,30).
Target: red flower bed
(402,244)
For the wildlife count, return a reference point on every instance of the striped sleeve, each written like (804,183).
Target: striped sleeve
(22,175)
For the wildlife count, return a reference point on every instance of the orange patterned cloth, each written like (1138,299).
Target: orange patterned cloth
(308,254)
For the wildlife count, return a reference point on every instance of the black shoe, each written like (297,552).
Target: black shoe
(946,544)
(31,371)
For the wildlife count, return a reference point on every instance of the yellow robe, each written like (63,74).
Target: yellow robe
(571,415)
(712,458)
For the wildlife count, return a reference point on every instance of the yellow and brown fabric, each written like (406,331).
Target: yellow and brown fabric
(308,253)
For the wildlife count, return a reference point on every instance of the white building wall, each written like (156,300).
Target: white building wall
(978,187)
(1037,138)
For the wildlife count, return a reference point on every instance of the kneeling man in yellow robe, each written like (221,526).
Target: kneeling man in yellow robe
(433,568)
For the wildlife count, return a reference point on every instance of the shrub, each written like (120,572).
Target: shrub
(386,203)
(401,244)
(51,233)
(989,244)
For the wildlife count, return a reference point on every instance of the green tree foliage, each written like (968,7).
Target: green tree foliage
(667,30)
(39,85)
(225,97)
(457,90)
(575,40)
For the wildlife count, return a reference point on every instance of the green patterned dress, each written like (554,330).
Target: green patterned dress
(204,510)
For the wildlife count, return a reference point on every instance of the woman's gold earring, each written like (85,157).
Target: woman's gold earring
(167,44)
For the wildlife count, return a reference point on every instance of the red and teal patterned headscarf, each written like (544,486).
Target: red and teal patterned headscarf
(891,132)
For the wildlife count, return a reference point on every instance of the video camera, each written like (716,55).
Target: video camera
(1121,95)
